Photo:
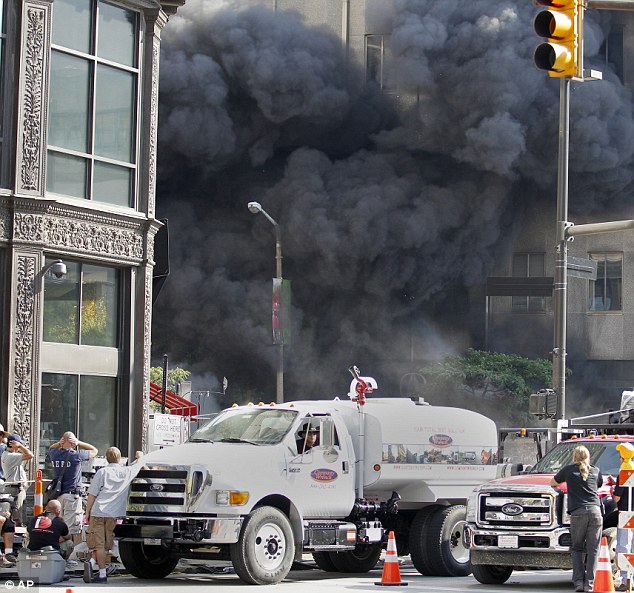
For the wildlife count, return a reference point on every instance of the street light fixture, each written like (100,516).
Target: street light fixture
(256,208)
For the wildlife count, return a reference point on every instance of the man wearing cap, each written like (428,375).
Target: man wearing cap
(69,452)
(308,437)
(12,461)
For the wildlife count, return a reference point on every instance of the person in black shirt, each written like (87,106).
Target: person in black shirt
(49,529)
(586,522)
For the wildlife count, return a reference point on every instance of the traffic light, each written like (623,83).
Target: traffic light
(562,25)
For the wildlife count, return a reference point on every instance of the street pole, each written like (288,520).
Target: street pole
(560,288)
(256,208)
(278,272)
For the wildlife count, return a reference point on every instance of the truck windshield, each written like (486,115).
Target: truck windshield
(250,425)
(602,454)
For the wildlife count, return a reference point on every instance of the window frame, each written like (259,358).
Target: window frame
(592,294)
(524,305)
(89,157)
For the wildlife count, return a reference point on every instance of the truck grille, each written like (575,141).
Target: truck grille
(158,490)
(507,509)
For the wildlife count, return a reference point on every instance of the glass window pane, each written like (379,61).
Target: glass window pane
(69,102)
(100,306)
(114,114)
(97,398)
(59,405)
(536,264)
(520,264)
(66,174)
(72,24)
(117,34)
(112,184)
(61,298)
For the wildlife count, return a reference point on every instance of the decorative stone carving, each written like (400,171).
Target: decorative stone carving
(88,238)
(23,350)
(31,117)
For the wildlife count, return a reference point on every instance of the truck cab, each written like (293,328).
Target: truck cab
(521,521)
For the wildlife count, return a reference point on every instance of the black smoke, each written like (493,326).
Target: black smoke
(391,205)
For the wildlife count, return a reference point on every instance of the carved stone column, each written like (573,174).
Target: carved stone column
(33,89)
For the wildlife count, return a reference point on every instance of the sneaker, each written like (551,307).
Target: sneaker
(98,579)
(71,563)
(579,587)
(10,558)
(6,563)
(621,587)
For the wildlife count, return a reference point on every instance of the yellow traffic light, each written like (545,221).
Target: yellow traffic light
(562,26)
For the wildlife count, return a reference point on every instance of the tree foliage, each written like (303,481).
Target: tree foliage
(174,376)
(496,384)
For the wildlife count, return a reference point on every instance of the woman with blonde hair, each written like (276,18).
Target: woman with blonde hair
(586,522)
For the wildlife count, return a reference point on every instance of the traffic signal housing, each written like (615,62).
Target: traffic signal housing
(562,25)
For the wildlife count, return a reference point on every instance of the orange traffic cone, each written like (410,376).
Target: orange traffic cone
(391,572)
(603,581)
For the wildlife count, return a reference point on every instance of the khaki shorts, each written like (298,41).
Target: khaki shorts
(100,533)
(72,512)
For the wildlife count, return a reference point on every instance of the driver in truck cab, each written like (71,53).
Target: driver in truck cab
(308,438)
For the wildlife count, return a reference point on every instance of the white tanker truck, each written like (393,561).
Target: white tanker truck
(242,489)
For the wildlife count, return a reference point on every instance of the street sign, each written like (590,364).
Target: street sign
(579,267)
(519,286)
(167,430)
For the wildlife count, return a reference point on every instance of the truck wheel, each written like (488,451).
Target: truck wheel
(263,554)
(418,540)
(146,562)
(448,555)
(324,561)
(491,575)
(362,559)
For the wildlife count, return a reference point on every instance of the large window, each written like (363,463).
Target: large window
(377,67)
(94,88)
(82,307)
(605,291)
(83,404)
(528,265)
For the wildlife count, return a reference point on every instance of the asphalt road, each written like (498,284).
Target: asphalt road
(193,580)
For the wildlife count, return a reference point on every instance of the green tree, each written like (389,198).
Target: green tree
(495,384)
(174,376)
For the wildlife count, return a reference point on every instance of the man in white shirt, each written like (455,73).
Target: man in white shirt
(107,498)
(12,461)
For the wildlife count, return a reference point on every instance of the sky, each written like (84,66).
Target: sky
(389,209)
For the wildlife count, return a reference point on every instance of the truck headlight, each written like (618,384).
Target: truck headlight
(231,498)
(472,507)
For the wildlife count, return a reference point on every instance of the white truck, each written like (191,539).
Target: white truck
(242,489)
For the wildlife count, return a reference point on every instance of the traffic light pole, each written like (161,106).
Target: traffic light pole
(560,288)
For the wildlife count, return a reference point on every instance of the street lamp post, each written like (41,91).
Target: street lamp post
(256,208)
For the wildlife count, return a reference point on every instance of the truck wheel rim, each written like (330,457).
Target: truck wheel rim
(459,552)
(270,546)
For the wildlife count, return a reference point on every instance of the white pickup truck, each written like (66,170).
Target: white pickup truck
(242,489)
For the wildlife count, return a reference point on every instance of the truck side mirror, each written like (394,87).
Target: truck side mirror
(327,433)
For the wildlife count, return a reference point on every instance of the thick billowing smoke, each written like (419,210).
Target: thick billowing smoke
(387,215)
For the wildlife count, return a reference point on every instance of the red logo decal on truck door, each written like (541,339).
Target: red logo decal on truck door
(323,475)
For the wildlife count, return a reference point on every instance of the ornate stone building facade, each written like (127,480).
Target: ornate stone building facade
(78,125)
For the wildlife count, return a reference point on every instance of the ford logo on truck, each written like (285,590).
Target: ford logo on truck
(440,440)
(512,509)
(323,475)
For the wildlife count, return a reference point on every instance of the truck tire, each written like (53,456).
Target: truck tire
(446,551)
(263,554)
(491,575)
(146,562)
(324,561)
(362,559)
(418,539)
